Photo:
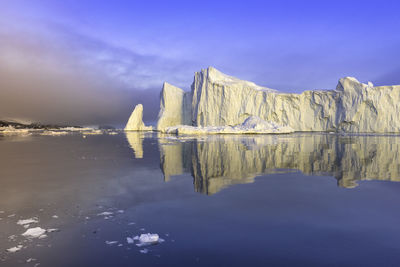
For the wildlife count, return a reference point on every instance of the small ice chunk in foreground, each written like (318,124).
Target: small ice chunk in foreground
(28,221)
(14,249)
(111,242)
(129,240)
(147,239)
(106,213)
(144,251)
(34,232)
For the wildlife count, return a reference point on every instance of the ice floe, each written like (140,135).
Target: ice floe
(106,213)
(34,232)
(28,221)
(144,251)
(14,249)
(147,239)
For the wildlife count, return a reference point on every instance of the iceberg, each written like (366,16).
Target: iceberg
(175,108)
(219,103)
(135,122)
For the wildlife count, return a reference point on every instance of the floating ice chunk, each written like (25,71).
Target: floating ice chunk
(144,251)
(55,133)
(30,260)
(111,242)
(55,216)
(131,223)
(34,232)
(28,221)
(14,249)
(106,213)
(130,240)
(51,230)
(147,239)
(120,211)
(42,236)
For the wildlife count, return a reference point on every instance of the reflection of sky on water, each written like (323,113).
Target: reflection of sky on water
(285,217)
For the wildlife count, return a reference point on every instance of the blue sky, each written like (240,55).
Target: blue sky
(91,61)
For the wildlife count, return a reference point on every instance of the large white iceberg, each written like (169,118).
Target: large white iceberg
(218,103)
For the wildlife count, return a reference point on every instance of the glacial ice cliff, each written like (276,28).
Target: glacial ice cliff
(220,103)
(135,122)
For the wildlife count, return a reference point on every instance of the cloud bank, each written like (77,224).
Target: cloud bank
(55,75)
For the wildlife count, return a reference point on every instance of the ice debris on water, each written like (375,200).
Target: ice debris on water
(28,221)
(14,249)
(34,232)
(130,240)
(111,242)
(147,239)
(106,213)
(144,251)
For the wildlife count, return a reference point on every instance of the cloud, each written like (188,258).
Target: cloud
(56,75)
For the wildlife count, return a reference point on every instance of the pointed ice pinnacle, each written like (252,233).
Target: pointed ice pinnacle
(135,122)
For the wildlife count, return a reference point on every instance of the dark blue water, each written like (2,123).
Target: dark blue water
(288,200)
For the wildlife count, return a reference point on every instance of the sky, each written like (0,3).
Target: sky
(90,62)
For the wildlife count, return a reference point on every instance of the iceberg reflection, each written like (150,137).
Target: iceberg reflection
(216,162)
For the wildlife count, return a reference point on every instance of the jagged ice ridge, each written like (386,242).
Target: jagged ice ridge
(218,103)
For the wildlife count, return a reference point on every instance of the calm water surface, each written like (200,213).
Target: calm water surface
(282,200)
